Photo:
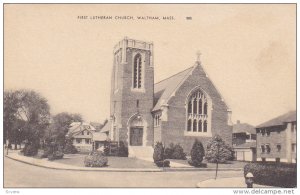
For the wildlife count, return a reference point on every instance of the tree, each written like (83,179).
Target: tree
(26,116)
(197,154)
(60,126)
(218,151)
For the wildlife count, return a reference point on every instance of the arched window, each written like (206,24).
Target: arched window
(199,126)
(200,106)
(194,125)
(205,108)
(190,107)
(195,106)
(137,71)
(189,128)
(197,112)
(205,126)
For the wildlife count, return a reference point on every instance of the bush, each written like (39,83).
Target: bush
(123,150)
(41,153)
(218,151)
(197,154)
(95,159)
(273,174)
(158,154)
(199,165)
(30,150)
(175,152)
(70,148)
(164,163)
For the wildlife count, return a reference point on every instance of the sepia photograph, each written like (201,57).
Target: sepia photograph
(150,96)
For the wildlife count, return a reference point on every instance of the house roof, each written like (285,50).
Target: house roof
(246,145)
(75,127)
(106,127)
(280,120)
(164,89)
(243,128)
(98,136)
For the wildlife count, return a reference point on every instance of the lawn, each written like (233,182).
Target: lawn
(113,162)
(229,164)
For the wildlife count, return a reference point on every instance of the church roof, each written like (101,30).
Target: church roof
(165,88)
(106,127)
(280,120)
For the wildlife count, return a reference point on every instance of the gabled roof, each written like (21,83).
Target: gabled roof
(75,127)
(164,89)
(280,120)
(98,136)
(106,127)
(243,128)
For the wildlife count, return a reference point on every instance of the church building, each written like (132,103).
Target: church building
(178,109)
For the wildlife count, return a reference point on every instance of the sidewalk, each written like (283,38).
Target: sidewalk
(232,182)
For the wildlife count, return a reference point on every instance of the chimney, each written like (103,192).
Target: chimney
(238,122)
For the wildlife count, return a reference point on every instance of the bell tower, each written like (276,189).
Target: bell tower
(132,86)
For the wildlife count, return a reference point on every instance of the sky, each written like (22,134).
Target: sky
(248,51)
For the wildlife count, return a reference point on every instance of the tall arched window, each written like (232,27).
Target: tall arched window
(195,106)
(205,126)
(200,126)
(194,125)
(137,71)
(189,127)
(197,112)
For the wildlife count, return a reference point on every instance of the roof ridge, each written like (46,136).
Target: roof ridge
(174,75)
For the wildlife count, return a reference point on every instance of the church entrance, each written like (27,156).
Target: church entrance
(136,136)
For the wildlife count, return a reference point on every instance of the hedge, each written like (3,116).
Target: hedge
(273,174)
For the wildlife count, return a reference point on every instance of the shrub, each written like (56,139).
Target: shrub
(163,163)
(197,154)
(175,152)
(30,150)
(95,159)
(178,153)
(123,150)
(218,151)
(42,153)
(106,150)
(273,174)
(70,148)
(158,154)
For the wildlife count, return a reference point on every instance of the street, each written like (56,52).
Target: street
(17,174)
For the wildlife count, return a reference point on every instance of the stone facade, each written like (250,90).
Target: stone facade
(158,112)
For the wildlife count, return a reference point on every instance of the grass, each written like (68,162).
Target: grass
(113,162)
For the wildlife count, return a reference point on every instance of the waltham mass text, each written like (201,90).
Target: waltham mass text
(126,17)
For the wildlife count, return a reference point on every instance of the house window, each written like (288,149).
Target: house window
(263,132)
(268,132)
(137,71)
(87,141)
(88,133)
(294,148)
(197,112)
(82,132)
(278,146)
(78,140)
(262,147)
(268,149)
(157,119)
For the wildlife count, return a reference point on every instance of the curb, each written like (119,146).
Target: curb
(177,169)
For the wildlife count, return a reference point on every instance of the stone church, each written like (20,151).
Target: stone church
(178,109)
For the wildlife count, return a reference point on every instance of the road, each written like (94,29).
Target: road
(18,174)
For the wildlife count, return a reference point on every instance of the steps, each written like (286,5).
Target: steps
(140,151)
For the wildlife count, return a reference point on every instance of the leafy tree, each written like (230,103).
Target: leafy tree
(197,154)
(26,116)
(218,151)
(60,126)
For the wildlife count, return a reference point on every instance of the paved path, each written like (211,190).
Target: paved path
(18,174)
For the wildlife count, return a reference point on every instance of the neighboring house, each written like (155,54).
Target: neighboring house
(178,109)
(276,139)
(106,128)
(85,137)
(244,141)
